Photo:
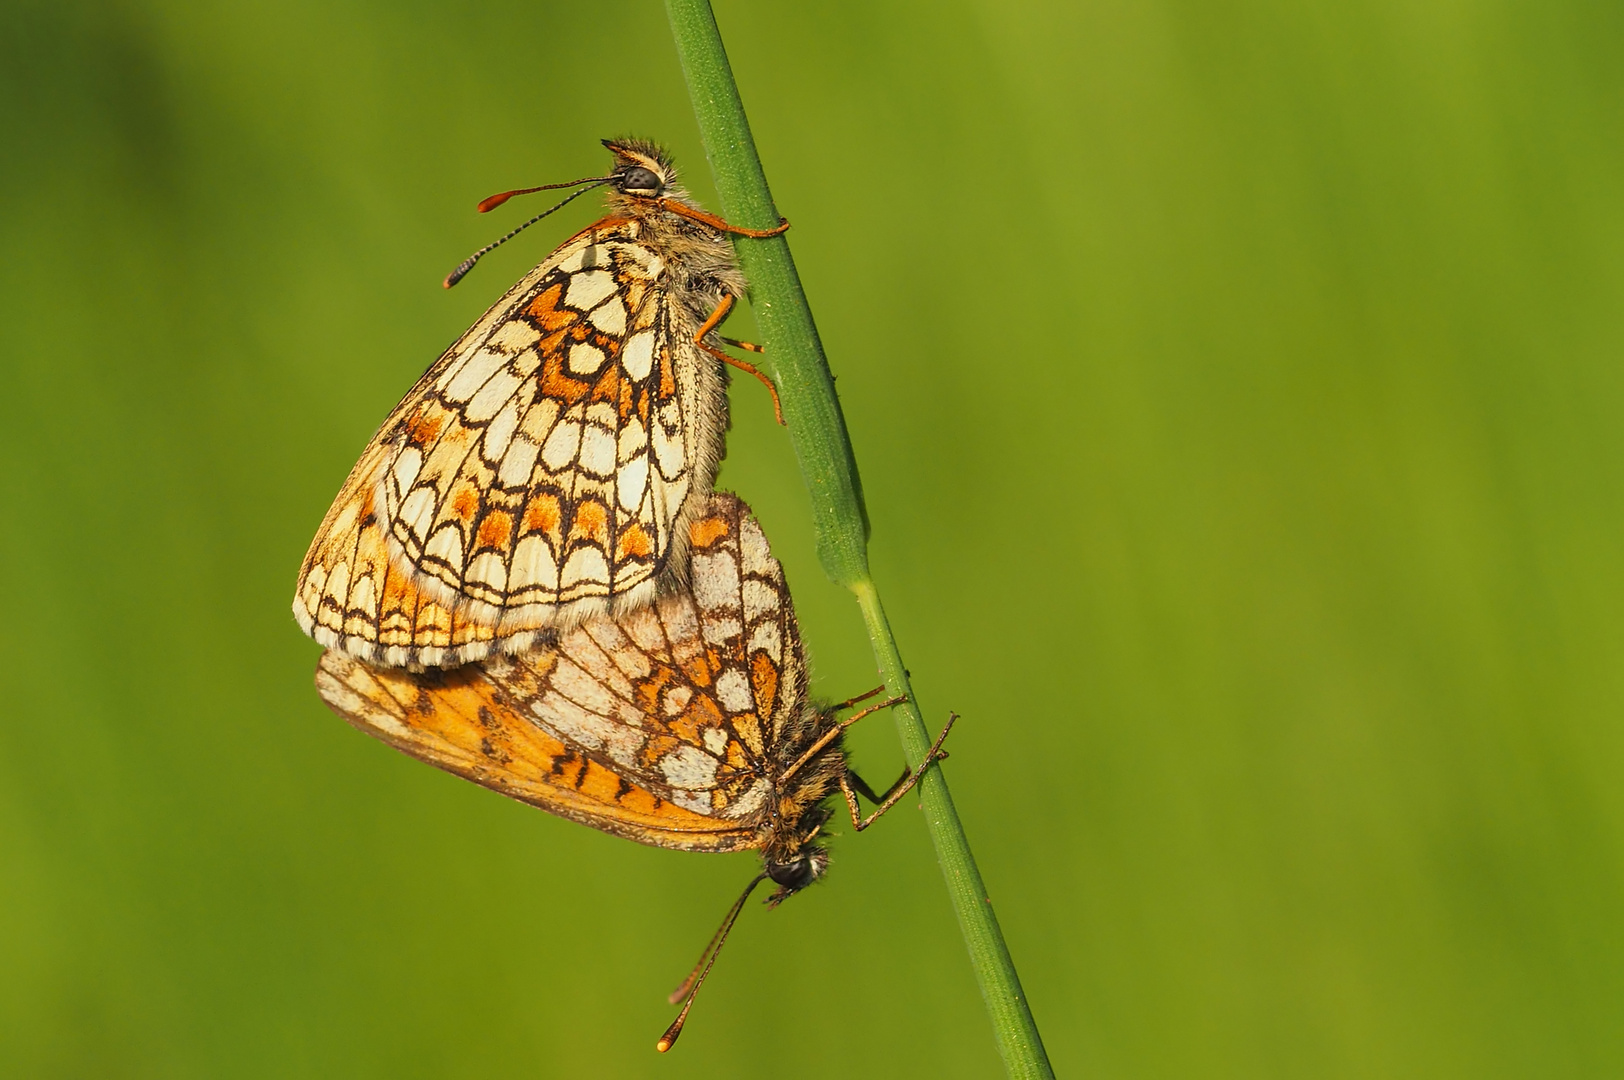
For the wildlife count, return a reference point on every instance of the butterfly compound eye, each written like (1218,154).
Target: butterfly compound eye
(639,181)
(792,875)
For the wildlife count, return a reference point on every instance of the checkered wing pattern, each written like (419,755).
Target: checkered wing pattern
(662,724)
(543,471)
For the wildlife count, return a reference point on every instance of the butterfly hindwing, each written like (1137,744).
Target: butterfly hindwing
(463,722)
(683,701)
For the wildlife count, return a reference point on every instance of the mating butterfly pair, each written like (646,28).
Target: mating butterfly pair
(528,581)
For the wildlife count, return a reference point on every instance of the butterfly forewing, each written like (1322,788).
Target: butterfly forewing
(522,476)
(543,470)
(683,702)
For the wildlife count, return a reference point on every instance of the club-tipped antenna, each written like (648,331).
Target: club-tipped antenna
(497,200)
(491,202)
(696,978)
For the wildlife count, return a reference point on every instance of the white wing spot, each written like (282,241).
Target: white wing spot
(583,725)
(746,805)
(767,638)
(715,577)
(492,396)
(585,359)
(733,691)
(667,443)
(461,383)
(406,467)
(689,767)
(539,419)
(585,564)
(518,463)
(446,544)
(364,597)
(489,570)
(513,336)
(630,483)
(676,699)
(417,513)
(576,260)
(759,600)
(500,432)
(597,451)
(533,564)
(643,627)
(690,800)
(610,316)
(589,288)
(582,687)
(633,439)
(722,631)
(562,445)
(638,355)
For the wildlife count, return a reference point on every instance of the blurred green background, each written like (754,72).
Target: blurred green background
(1237,388)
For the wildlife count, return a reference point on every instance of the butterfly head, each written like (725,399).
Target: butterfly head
(641,169)
(794,861)
(796,873)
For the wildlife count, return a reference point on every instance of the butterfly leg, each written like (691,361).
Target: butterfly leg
(851,783)
(849,702)
(835,732)
(715,222)
(712,323)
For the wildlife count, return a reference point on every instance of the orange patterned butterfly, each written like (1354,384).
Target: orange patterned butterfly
(684,724)
(546,467)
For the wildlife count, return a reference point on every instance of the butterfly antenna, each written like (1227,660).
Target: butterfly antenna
(696,978)
(497,200)
(491,202)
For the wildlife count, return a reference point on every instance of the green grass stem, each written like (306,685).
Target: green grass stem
(822,447)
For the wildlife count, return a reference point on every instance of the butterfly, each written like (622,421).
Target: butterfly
(546,467)
(684,724)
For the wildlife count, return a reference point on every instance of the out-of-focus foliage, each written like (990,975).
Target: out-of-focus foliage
(1237,389)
